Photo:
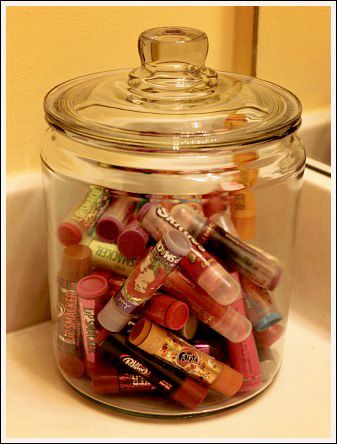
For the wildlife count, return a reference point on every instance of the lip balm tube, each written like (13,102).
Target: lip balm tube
(108,256)
(145,280)
(258,266)
(179,387)
(166,311)
(188,331)
(92,291)
(111,223)
(76,263)
(199,265)
(77,225)
(268,337)
(224,319)
(243,210)
(243,356)
(267,363)
(224,221)
(133,239)
(109,381)
(179,353)
(259,307)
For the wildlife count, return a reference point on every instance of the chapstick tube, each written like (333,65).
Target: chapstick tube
(111,223)
(258,266)
(109,381)
(268,337)
(92,291)
(243,356)
(105,255)
(198,264)
(166,311)
(145,280)
(133,239)
(259,307)
(224,319)
(179,387)
(77,225)
(179,353)
(76,263)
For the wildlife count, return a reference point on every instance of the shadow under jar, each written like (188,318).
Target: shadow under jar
(171,145)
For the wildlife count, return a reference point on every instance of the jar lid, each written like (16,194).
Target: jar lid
(172,101)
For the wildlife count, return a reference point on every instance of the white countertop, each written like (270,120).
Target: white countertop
(40,404)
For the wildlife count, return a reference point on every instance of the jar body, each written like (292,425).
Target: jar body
(254,191)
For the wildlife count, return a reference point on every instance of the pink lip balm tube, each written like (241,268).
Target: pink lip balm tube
(145,280)
(223,319)
(111,223)
(92,291)
(258,266)
(243,356)
(83,217)
(133,239)
(198,264)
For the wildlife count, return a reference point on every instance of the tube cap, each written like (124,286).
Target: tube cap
(92,287)
(267,321)
(108,228)
(132,242)
(76,262)
(190,394)
(177,242)
(111,318)
(69,233)
(189,330)
(228,382)
(176,315)
(233,326)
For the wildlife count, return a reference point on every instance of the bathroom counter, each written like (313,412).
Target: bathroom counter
(40,404)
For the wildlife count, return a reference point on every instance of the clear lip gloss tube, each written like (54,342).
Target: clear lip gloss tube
(111,223)
(169,382)
(258,266)
(198,264)
(179,353)
(76,226)
(243,356)
(146,279)
(224,319)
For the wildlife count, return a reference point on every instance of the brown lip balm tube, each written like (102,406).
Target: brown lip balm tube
(179,353)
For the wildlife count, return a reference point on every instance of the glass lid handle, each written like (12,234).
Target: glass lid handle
(172,67)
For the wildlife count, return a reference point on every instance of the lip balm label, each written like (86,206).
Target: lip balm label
(87,311)
(196,263)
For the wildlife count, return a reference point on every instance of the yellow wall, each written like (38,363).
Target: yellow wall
(47,45)
(294,51)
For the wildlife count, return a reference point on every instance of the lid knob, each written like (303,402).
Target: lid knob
(173,49)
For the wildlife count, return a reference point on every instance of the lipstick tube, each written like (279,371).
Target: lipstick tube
(166,311)
(76,263)
(179,353)
(109,381)
(259,307)
(133,239)
(92,291)
(258,266)
(76,226)
(224,319)
(145,280)
(198,264)
(243,356)
(111,223)
(168,382)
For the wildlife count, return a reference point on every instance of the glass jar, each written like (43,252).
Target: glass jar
(187,180)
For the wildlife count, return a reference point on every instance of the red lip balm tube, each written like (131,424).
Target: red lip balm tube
(168,381)
(224,319)
(111,223)
(179,353)
(145,280)
(268,337)
(243,356)
(166,311)
(111,382)
(198,264)
(258,266)
(92,291)
(77,225)
(133,239)
(76,263)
